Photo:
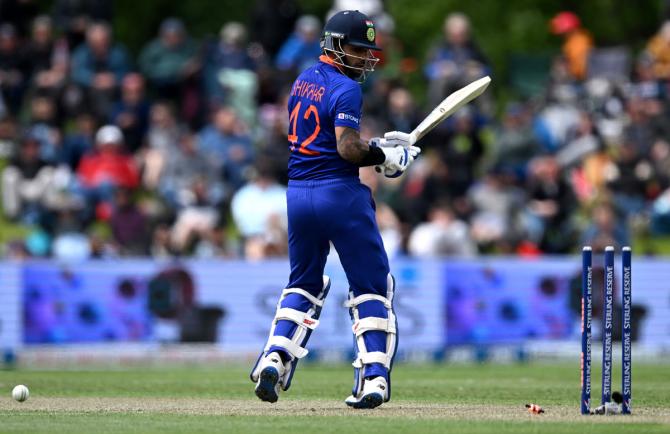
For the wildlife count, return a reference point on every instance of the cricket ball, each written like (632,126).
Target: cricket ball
(20,393)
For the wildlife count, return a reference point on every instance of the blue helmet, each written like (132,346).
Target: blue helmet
(350,28)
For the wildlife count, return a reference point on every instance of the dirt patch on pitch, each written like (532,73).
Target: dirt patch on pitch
(412,410)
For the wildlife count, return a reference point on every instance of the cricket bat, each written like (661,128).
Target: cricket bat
(448,107)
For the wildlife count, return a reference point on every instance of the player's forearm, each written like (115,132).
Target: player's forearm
(351,148)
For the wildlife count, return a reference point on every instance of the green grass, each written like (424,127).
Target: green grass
(488,387)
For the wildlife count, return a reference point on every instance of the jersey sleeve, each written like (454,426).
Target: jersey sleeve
(345,106)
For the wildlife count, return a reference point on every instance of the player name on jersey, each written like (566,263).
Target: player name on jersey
(308,90)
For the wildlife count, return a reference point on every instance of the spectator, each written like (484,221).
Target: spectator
(104,170)
(73,17)
(227,146)
(170,62)
(580,142)
(14,69)
(557,118)
(606,229)
(402,112)
(514,141)
(162,139)
(455,61)
(629,179)
(27,184)
(226,59)
(47,57)
(44,126)
(441,235)
(577,42)
(658,49)
(462,152)
(131,112)
(606,106)
(426,183)
(164,128)
(646,84)
(641,130)
(79,142)
(195,221)
(272,145)
(590,178)
(98,66)
(550,206)
(660,157)
(495,201)
(184,168)
(129,225)
(259,209)
(302,48)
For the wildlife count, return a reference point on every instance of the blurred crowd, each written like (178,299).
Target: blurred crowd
(182,150)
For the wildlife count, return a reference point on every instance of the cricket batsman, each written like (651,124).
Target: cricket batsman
(326,203)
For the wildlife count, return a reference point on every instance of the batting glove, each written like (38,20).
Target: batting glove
(394,138)
(391,139)
(399,153)
(397,160)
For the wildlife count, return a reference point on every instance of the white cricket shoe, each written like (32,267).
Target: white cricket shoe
(375,391)
(272,369)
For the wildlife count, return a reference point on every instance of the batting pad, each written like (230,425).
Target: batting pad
(375,335)
(296,316)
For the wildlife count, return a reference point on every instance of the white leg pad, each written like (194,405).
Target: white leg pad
(363,325)
(295,345)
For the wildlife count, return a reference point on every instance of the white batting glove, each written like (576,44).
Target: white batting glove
(399,153)
(397,158)
(391,139)
(394,138)
(397,161)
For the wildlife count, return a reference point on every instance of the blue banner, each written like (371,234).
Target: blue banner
(439,303)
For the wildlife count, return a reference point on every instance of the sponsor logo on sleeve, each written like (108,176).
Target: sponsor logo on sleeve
(348,117)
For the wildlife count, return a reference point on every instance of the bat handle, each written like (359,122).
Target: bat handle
(412,139)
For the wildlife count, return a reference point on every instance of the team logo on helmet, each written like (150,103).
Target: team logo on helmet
(371,34)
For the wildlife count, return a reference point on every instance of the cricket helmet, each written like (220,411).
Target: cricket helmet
(350,28)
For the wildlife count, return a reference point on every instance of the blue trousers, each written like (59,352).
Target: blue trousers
(341,211)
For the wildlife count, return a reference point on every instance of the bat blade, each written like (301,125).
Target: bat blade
(449,106)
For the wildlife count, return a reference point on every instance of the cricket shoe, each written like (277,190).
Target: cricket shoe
(272,369)
(373,395)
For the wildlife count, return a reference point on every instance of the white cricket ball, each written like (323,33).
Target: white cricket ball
(20,393)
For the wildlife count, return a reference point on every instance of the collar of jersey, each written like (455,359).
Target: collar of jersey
(327,60)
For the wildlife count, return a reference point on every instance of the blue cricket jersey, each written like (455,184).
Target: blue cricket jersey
(321,99)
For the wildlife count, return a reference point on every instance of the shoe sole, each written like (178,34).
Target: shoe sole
(368,401)
(268,379)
